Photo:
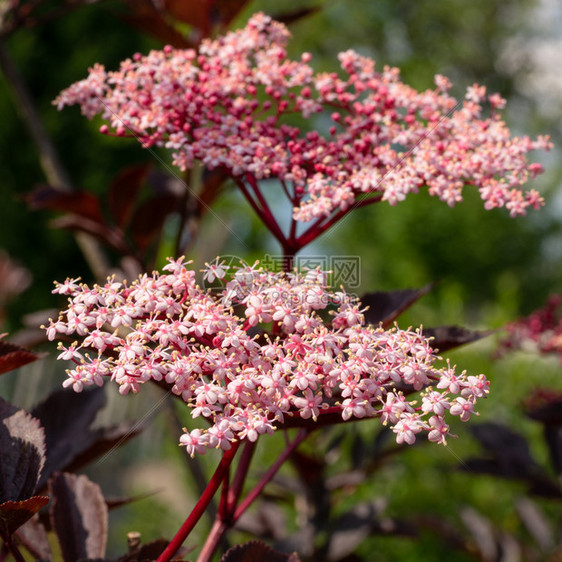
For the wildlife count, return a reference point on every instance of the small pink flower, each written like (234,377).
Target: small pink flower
(406,429)
(462,408)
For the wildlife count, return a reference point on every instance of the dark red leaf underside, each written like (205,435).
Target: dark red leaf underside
(149,219)
(13,357)
(13,514)
(112,236)
(81,203)
(145,16)
(123,193)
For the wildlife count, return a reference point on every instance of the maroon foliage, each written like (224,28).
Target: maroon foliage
(386,306)
(79,516)
(508,456)
(257,551)
(22,453)
(445,338)
(71,442)
(13,356)
(22,456)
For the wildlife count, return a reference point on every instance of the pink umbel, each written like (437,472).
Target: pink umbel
(263,349)
(232,105)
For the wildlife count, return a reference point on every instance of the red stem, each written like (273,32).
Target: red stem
(201,505)
(249,499)
(217,531)
(264,214)
(241,473)
(318,228)
(271,223)
(222,524)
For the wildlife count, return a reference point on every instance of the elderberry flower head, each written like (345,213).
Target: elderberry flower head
(233,357)
(227,106)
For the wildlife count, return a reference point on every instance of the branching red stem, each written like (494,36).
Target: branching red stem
(201,505)
(266,478)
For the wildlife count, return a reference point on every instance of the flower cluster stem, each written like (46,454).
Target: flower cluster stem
(201,505)
(266,478)
(226,519)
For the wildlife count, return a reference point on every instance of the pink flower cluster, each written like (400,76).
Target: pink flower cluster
(262,348)
(542,329)
(231,106)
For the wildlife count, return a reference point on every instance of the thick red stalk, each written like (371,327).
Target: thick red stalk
(201,505)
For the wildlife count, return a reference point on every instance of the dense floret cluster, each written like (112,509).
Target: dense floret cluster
(227,106)
(262,348)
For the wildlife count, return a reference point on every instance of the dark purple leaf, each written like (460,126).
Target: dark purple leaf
(110,235)
(14,514)
(385,307)
(105,439)
(67,417)
(113,503)
(78,516)
(553,437)
(150,551)
(310,468)
(296,15)
(22,452)
(149,219)
(450,337)
(545,406)
(162,183)
(383,437)
(257,551)
(33,536)
(204,15)
(349,480)
(81,203)
(508,447)
(123,192)
(508,456)
(150,22)
(13,356)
